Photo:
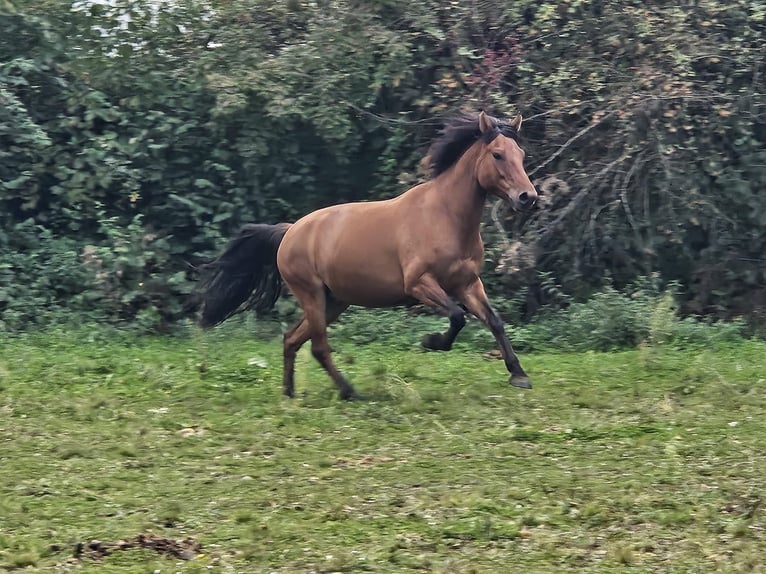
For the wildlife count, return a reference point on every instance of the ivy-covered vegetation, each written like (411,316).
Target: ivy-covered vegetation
(136,136)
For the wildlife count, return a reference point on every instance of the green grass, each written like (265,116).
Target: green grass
(643,461)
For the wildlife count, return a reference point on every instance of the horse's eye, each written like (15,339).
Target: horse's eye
(497,155)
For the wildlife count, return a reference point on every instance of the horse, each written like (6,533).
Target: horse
(422,246)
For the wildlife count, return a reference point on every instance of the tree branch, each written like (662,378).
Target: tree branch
(570,141)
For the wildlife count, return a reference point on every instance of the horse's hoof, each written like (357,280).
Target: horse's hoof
(520,381)
(349,395)
(431,342)
(435,342)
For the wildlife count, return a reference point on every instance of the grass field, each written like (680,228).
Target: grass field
(645,461)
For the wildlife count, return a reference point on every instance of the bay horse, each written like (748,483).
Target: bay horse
(422,246)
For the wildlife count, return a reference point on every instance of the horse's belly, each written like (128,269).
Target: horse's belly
(356,287)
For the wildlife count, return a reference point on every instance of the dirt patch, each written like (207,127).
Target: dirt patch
(185,549)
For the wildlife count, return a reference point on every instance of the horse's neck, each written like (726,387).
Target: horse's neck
(460,194)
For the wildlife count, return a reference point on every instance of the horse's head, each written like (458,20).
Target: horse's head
(500,167)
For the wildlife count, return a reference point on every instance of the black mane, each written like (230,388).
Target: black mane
(457,136)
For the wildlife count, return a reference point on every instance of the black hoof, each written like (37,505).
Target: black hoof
(435,342)
(350,397)
(520,381)
(348,394)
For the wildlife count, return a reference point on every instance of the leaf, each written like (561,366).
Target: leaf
(436,33)
(196,207)
(203,183)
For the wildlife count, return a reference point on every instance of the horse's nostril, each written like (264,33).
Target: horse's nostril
(524,199)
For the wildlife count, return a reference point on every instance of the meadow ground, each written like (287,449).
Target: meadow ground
(644,461)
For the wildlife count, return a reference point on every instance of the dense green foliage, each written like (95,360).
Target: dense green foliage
(135,137)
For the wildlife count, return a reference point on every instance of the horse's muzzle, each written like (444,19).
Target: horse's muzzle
(526,200)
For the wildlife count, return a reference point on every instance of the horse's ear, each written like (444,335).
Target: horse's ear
(485,123)
(516,122)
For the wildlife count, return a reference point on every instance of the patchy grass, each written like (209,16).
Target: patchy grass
(649,460)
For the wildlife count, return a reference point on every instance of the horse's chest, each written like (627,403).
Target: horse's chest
(456,272)
(454,264)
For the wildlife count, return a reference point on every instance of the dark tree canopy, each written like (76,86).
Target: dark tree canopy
(136,137)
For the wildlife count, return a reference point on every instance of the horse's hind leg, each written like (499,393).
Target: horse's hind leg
(293,341)
(475,300)
(318,311)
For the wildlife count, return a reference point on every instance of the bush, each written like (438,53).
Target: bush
(42,278)
(644,313)
(613,319)
(119,279)
(202,119)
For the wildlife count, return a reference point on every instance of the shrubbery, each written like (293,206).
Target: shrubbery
(642,315)
(610,320)
(129,152)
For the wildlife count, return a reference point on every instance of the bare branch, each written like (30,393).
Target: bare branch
(570,141)
(579,197)
(558,110)
(623,192)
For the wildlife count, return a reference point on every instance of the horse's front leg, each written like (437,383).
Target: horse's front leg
(475,300)
(444,341)
(427,290)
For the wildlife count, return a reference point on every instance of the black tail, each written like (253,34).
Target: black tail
(245,276)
